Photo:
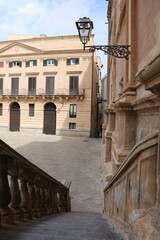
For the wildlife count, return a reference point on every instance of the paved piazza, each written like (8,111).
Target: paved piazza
(75,158)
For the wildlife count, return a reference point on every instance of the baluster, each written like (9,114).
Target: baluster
(55,199)
(24,194)
(5,194)
(61,202)
(15,194)
(42,193)
(67,201)
(46,192)
(32,195)
(38,197)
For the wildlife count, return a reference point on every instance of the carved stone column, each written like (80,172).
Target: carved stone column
(32,195)
(24,194)
(5,194)
(15,194)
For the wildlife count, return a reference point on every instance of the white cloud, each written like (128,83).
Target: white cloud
(51,17)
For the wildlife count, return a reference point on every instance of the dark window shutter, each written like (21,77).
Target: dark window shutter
(14,86)
(27,64)
(32,86)
(49,85)
(10,64)
(20,64)
(1,86)
(77,60)
(44,62)
(1,109)
(56,62)
(73,85)
(68,61)
(34,62)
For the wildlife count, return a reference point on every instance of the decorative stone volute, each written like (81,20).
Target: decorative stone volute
(150,76)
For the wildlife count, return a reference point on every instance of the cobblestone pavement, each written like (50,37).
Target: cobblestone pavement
(75,158)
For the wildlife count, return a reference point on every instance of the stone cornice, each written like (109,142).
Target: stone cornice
(31,73)
(53,52)
(73,72)
(19,44)
(14,74)
(49,73)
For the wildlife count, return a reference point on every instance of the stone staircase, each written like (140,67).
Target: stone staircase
(63,226)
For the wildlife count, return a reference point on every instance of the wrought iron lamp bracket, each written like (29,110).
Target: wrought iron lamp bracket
(119,51)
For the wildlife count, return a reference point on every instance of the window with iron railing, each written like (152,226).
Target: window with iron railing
(72,125)
(32,86)
(73,85)
(50,85)
(73,111)
(14,86)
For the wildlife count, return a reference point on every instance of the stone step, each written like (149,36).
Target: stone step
(64,226)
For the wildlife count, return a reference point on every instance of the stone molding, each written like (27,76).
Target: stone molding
(149,141)
(150,75)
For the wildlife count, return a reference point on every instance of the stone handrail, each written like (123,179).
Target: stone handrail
(26,191)
(136,183)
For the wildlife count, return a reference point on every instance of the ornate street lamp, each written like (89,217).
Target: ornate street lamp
(85,26)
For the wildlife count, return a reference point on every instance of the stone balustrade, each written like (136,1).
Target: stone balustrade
(136,185)
(26,191)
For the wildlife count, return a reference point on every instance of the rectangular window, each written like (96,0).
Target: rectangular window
(31,63)
(73,111)
(1,86)
(14,86)
(73,85)
(49,85)
(72,125)
(1,109)
(71,61)
(32,86)
(1,64)
(15,64)
(31,110)
(49,62)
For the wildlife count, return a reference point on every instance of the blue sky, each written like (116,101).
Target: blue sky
(53,18)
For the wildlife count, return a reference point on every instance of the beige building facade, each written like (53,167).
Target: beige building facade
(131,137)
(47,85)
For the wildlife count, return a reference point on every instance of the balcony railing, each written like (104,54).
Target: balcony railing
(43,92)
(26,191)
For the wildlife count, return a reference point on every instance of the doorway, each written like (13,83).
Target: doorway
(49,126)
